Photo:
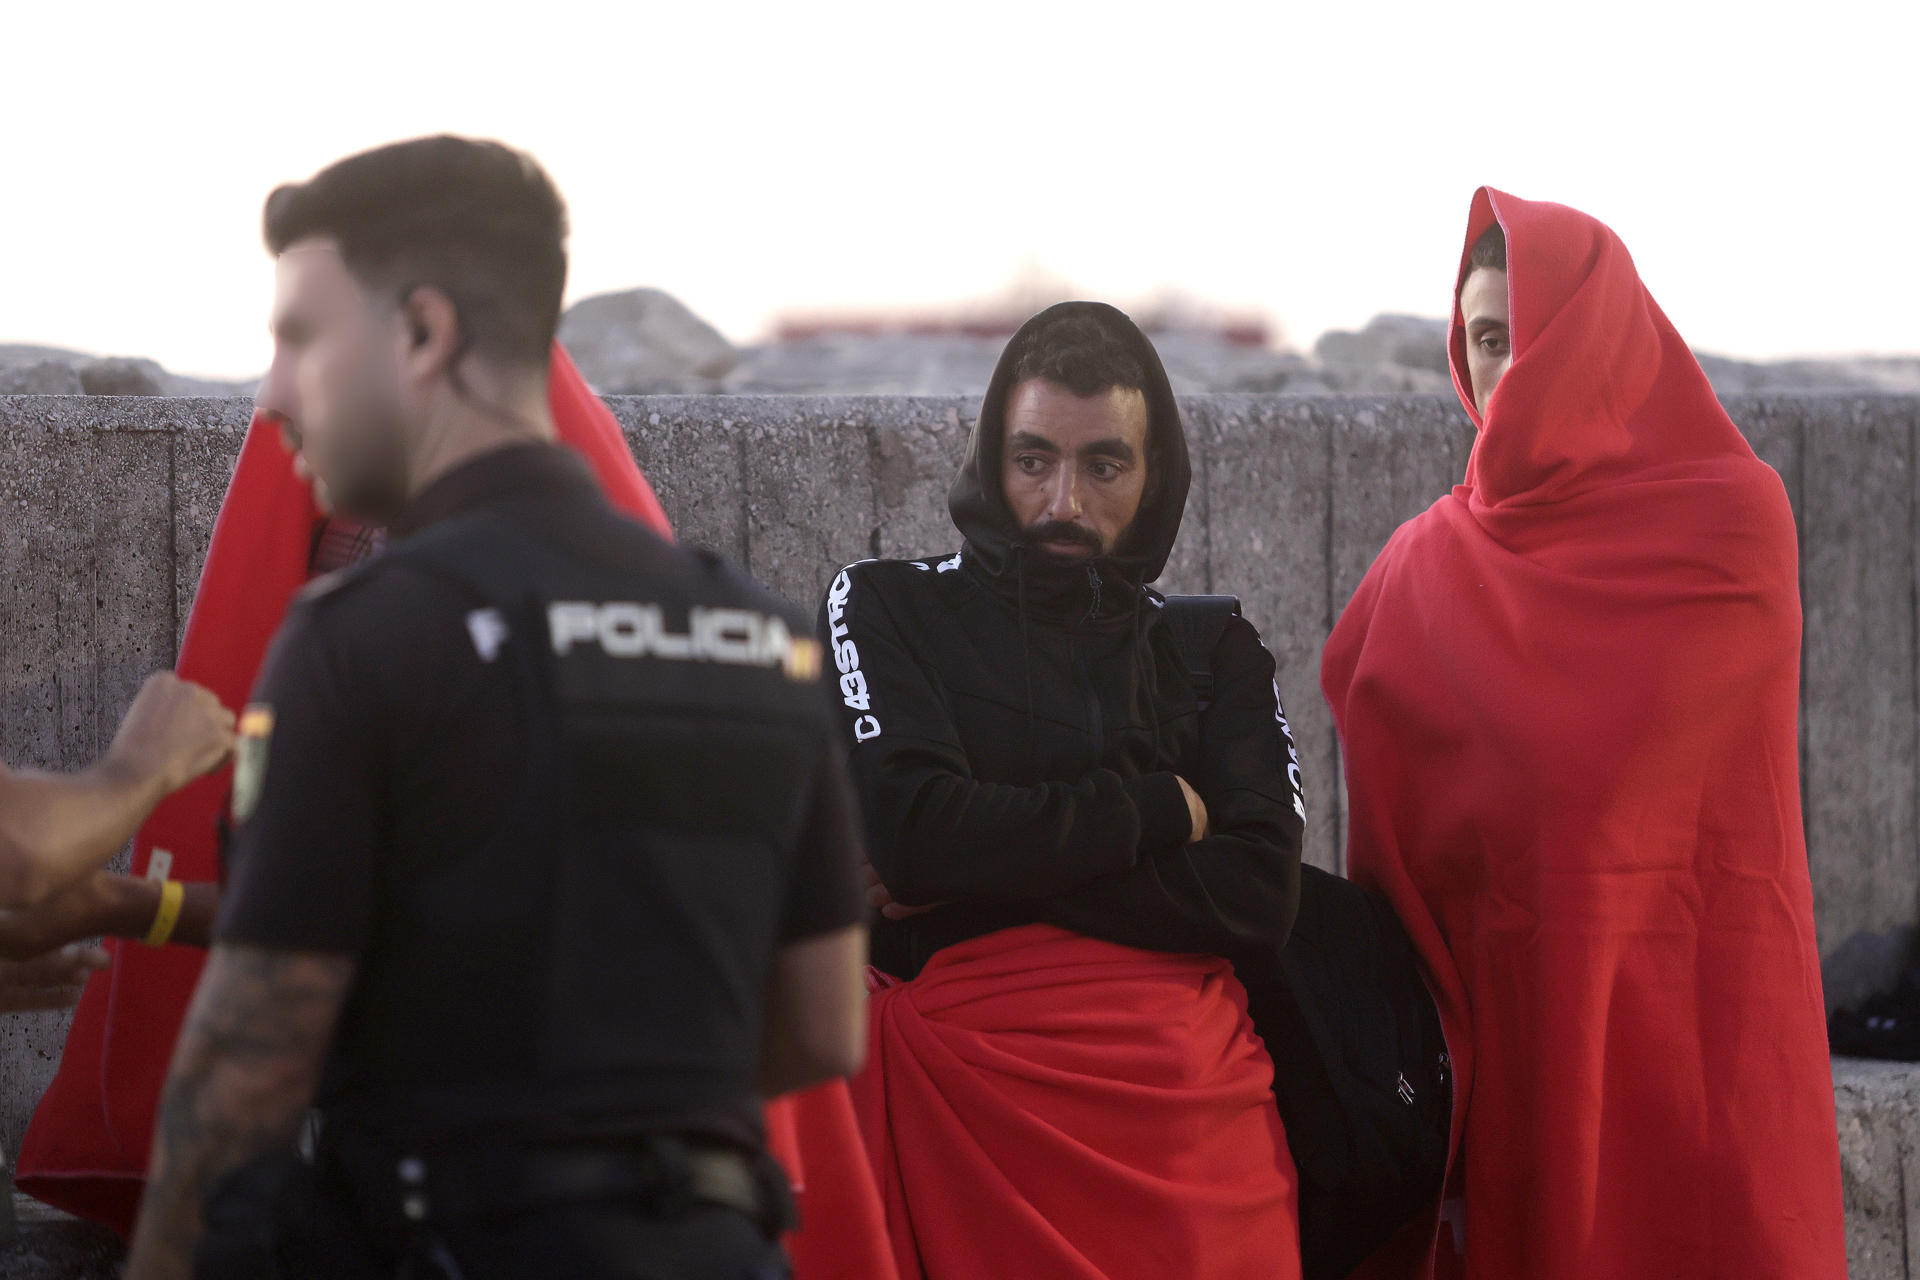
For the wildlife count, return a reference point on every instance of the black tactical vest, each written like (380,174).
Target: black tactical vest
(600,964)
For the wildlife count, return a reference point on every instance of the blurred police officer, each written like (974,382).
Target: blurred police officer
(543,871)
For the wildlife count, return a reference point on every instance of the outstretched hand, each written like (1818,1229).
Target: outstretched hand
(52,981)
(86,909)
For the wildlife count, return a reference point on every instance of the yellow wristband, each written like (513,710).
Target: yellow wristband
(172,894)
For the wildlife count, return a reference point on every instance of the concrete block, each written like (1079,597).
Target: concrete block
(204,453)
(1776,428)
(1266,467)
(809,493)
(694,456)
(1859,735)
(1188,571)
(86,588)
(1392,457)
(915,447)
(1875,1105)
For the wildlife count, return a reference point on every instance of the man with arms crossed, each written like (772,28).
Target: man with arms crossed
(1068,852)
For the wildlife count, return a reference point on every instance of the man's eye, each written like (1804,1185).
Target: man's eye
(1030,464)
(1105,470)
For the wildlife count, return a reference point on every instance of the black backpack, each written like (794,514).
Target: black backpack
(1360,1069)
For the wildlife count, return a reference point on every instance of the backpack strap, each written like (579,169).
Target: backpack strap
(1197,623)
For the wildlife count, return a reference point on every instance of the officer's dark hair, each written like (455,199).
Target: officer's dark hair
(1490,250)
(1085,352)
(477,220)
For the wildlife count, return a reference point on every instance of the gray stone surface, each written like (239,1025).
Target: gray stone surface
(204,452)
(1875,1106)
(1189,571)
(1858,720)
(1863,373)
(915,453)
(1415,343)
(41,378)
(86,594)
(696,464)
(1267,474)
(56,371)
(123,376)
(641,341)
(883,364)
(810,501)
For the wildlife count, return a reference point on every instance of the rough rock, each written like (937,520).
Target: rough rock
(644,342)
(34,370)
(41,378)
(123,376)
(1199,362)
(1396,341)
(1884,373)
(868,364)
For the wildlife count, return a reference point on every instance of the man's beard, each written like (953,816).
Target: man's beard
(1039,535)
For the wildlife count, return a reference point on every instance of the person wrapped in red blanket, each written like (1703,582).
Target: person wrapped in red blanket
(1063,1081)
(86,1150)
(1567,696)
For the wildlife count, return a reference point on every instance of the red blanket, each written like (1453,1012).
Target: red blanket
(86,1150)
(1567,696)
(1039,1104)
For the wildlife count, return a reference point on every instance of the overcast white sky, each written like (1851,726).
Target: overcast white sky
(1311,162)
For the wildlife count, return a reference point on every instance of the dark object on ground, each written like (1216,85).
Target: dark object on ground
(1885,1026)
(56,1247)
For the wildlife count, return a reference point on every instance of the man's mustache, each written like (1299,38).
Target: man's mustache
(1061,531)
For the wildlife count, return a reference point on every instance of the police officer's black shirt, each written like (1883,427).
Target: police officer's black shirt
(383,745)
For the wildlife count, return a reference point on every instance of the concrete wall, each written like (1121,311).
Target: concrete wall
(106,506)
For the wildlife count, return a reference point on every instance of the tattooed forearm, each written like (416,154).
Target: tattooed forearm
(245,1067)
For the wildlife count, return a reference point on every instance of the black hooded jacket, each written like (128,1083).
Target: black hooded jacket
(1019,725)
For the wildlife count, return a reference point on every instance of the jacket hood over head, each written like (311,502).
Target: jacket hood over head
(978,503)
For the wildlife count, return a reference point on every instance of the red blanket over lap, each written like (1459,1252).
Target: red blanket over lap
(1039,1104)
(1567,696)
(86,1150)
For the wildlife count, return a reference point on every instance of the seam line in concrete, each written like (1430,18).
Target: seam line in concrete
(1913,605)
(1801,468)
(1205,440)
(744,478)
(1337,816)
(173,543)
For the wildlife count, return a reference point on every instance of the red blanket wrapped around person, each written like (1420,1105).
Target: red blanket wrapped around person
(1567,696)
(86,1150)
(1043,1106)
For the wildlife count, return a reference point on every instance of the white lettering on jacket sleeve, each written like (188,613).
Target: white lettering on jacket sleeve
(846,660)
(1293,755)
